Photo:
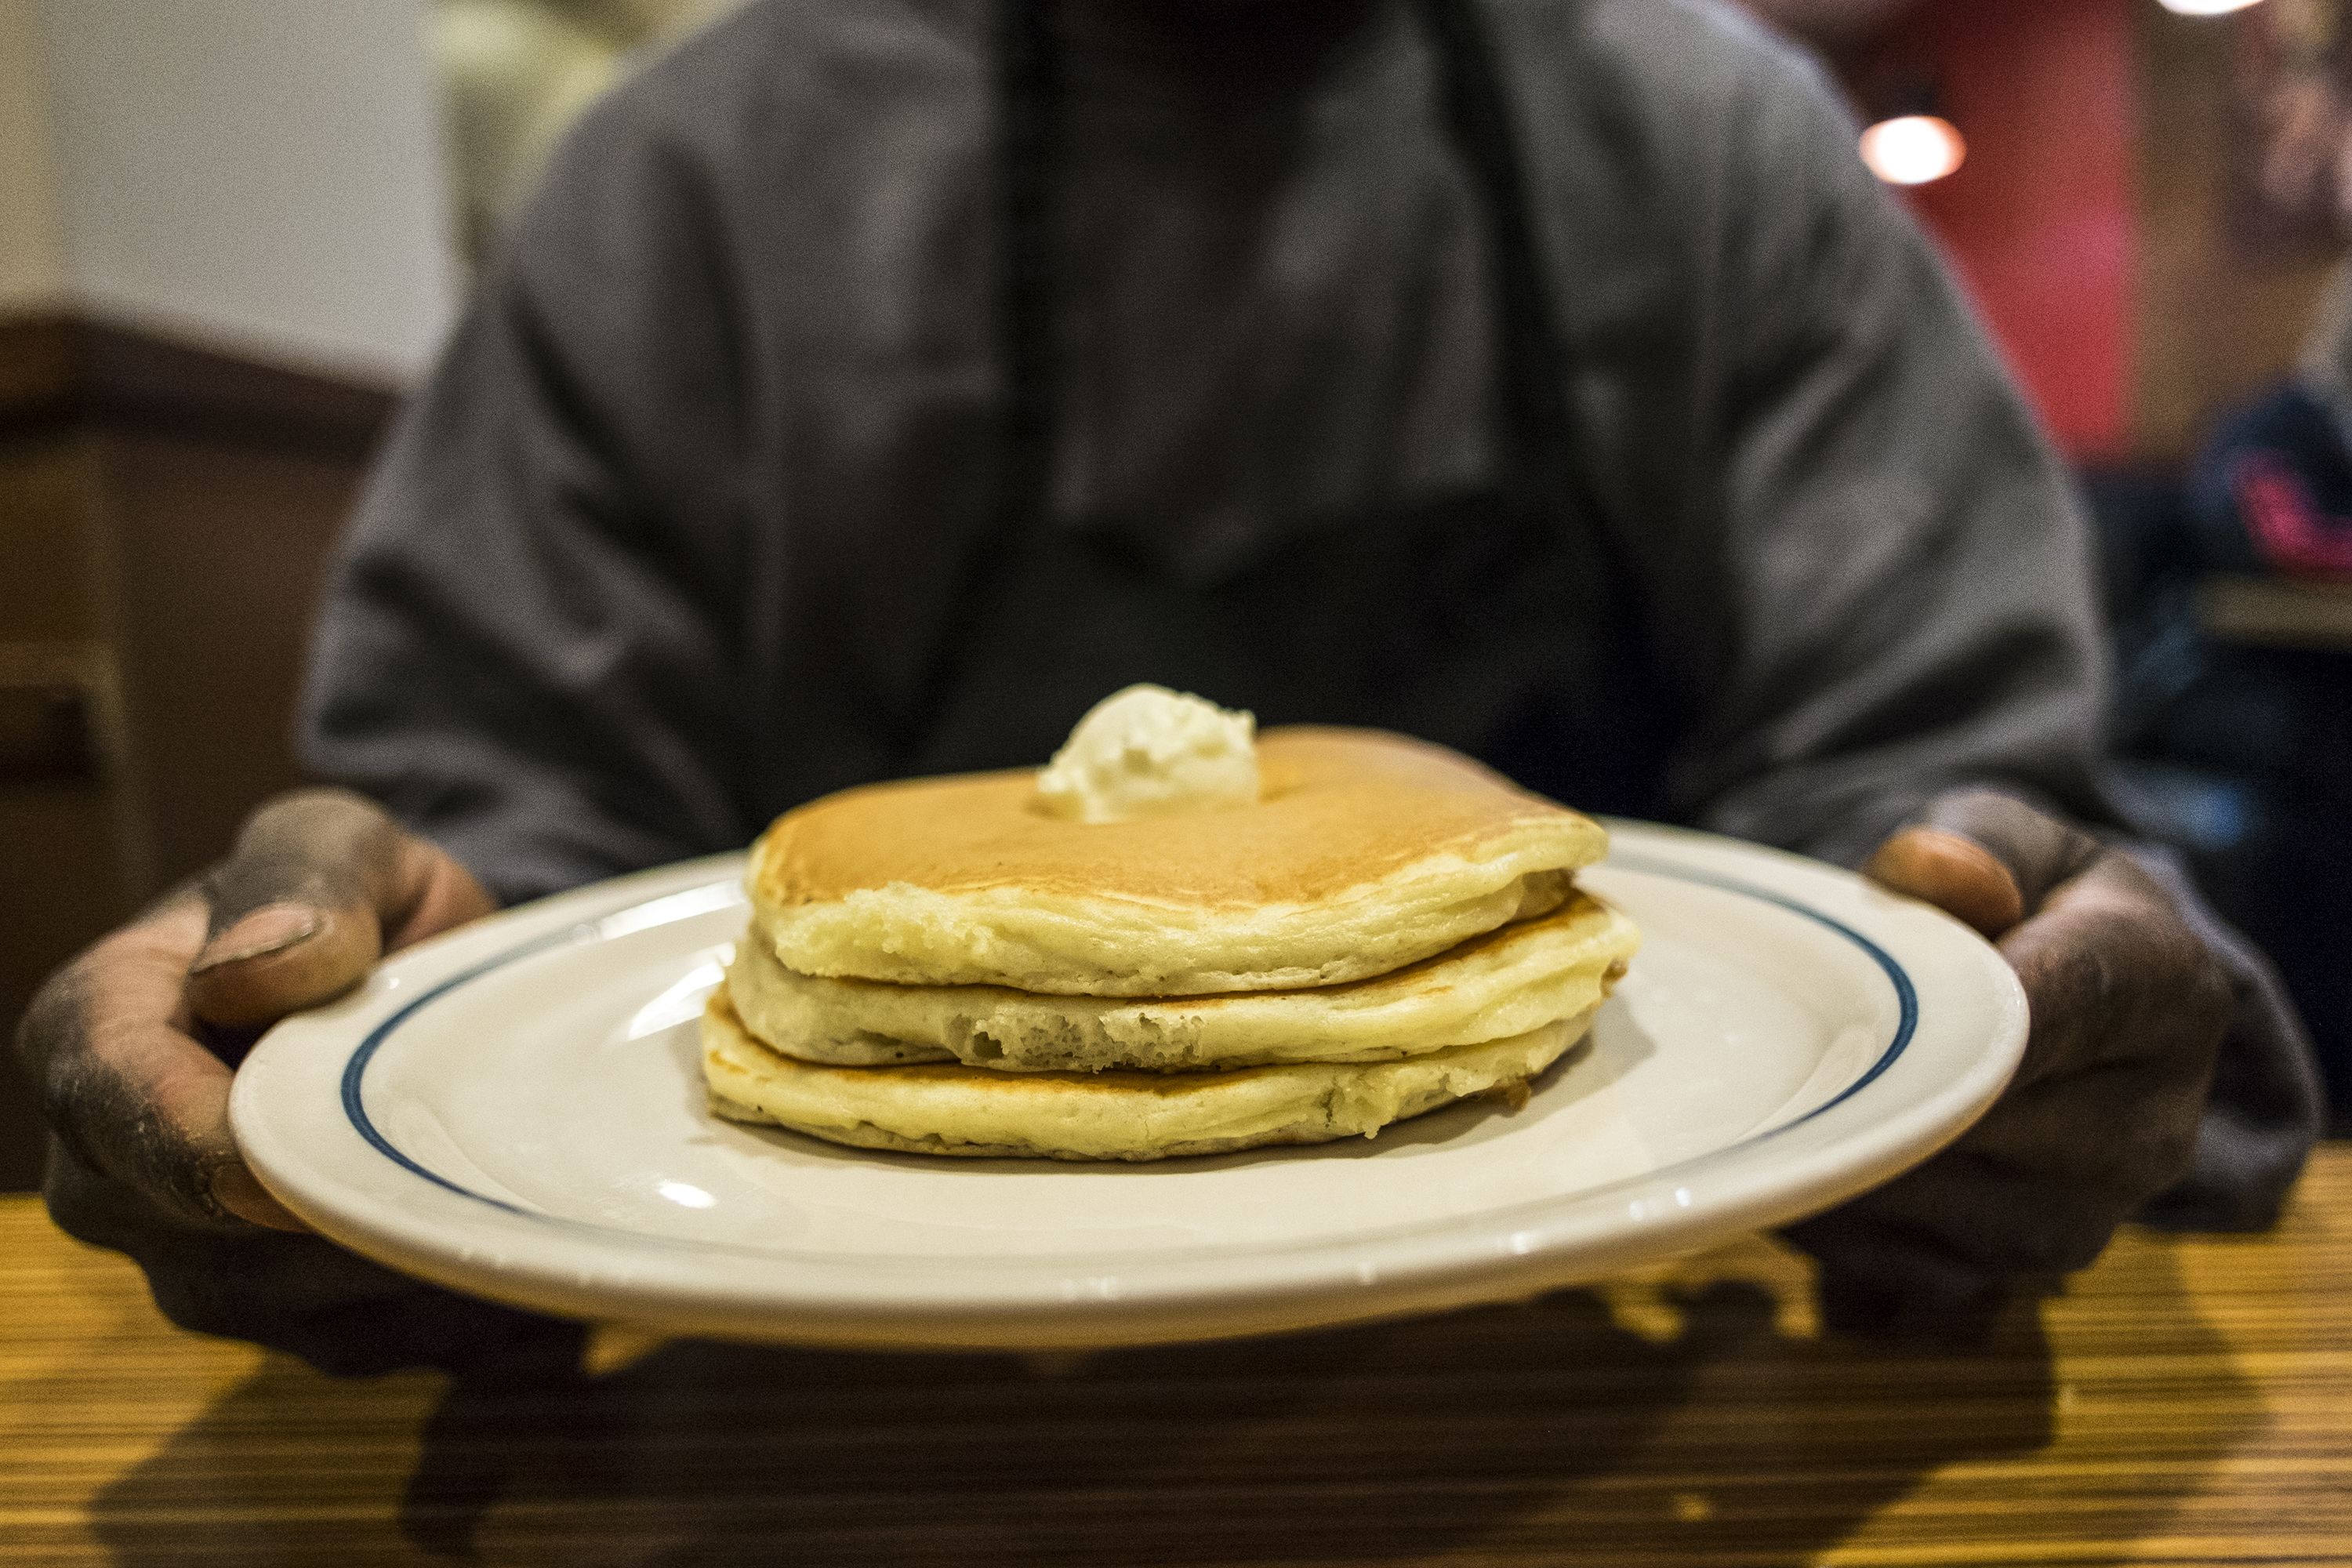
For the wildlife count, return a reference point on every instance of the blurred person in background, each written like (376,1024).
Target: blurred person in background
(2236,744)
(869,387)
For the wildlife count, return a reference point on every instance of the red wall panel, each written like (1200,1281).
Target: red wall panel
(2040,220)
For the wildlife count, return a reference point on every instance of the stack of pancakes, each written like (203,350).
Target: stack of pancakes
(942,966)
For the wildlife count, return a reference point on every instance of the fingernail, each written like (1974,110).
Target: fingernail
(272,928)
(235,1188)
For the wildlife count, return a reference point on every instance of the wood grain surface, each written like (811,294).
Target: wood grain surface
(2187,1401)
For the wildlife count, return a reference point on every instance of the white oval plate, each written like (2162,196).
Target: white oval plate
(516,1110)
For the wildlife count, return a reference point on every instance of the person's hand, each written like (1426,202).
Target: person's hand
(2128,1009)
(132,1045)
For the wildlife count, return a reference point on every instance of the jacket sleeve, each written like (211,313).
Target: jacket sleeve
(528,648)
(1906,590)
(1902,573)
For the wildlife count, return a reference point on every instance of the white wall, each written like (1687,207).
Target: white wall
(32,252)
(263,175)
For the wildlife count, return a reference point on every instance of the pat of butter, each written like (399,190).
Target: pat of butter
(1151,751)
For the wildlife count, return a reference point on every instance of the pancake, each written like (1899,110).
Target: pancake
(1505,982)
(935,1109)
(1364,852)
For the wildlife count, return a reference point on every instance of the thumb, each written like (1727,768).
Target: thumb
(1983,857)
(321,883)
(1957,875)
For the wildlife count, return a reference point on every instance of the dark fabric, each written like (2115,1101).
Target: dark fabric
(678,535)
(1437,616)
(663,548)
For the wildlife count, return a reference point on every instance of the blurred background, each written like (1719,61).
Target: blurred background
(231,231)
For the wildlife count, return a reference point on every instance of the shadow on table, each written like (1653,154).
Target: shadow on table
(1678,1423)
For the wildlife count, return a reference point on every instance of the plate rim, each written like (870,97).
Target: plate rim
(552,1262)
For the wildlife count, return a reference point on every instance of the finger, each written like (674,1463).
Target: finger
(1957,875)
(1957,1226)
(129,1089)
(2102,1140)
(319,885)
(297,913)
(2128,1009)
(300,1294)
(2037,851)
(279,958)
(2024,1193)
(2113,973)
(2024,1198)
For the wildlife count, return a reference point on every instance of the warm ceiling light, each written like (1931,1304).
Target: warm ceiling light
(1912,148)
(2206,7)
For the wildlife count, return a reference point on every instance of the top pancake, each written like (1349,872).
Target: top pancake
(1365,851)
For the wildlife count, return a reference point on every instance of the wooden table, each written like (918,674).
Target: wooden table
(2189,1401)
